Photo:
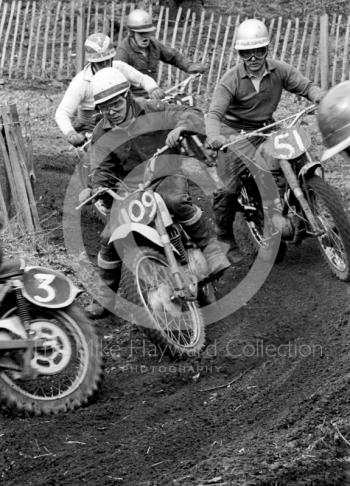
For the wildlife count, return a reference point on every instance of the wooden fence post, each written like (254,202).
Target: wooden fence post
(324,58)
(80,36)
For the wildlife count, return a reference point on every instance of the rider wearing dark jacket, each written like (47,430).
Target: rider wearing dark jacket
(144,52)
(130,132)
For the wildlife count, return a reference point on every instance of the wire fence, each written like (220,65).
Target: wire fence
(44,39)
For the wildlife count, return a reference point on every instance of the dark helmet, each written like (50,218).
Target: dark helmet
(334,119)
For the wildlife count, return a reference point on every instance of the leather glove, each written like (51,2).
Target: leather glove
(173,137)
(157,94)
(316,94)
(216,142)
(197,67)
(85,194)
(76,139)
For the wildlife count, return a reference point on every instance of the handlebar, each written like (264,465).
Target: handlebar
(183,84)
(150,168)
(295,117)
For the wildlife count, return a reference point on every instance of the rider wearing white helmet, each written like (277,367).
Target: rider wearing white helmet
(334,120)
(129,133)
(141,50)
(245,99)
(99,52)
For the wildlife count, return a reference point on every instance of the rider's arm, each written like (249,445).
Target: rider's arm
(70,104)
(297,83)
(174,116)
(103,157)
(136,77)
(172,56)
(218,107)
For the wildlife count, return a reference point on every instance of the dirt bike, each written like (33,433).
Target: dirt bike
(50,356)
(306,206)
(164,274)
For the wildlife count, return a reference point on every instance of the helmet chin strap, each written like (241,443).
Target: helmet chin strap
(130,109)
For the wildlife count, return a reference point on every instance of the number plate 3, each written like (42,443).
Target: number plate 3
(287,144)
(48,288)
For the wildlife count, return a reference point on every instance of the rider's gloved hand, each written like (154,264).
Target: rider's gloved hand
(76,139)
(216,142)
(173,136)
(316,94)
(197,67)
(85,194)
(157,94)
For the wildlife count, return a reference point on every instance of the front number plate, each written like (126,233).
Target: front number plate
(287,144)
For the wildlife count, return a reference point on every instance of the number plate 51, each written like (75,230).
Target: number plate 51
(287,144)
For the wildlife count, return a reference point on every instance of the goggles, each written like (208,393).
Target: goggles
(258,53)
(114,107)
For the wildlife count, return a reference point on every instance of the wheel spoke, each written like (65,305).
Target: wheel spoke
(152,277)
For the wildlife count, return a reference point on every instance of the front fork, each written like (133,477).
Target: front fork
(181,290)
(298,193)
(27,344)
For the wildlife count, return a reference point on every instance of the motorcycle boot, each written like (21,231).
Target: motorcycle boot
(225,208)
(199,234)
(231,250)
(105,296)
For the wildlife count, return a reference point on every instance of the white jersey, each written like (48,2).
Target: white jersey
(79,92)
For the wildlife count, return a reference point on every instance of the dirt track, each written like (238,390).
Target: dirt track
(158,423)
(284,419)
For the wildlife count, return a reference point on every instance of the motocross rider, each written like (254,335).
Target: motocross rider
(141,50)
(245,99)
(130,131)
(99,52)
(333,119)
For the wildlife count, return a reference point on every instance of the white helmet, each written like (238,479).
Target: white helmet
(107,84)
(251,34)
(98,48)
(140,21)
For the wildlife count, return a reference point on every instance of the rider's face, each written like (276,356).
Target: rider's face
(103,64)
(116,110)
(142,39)
(254,59)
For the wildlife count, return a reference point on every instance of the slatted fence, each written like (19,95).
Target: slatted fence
(44,39)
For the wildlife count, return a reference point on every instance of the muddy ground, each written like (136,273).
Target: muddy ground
(267,402)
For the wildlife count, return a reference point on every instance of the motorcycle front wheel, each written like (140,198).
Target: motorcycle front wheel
(174,325)
(68,364)
(329,213)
